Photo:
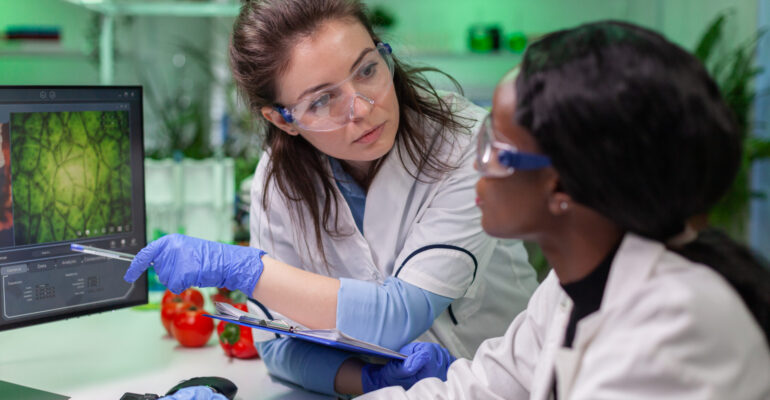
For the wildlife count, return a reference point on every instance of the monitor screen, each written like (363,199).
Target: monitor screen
(71,171)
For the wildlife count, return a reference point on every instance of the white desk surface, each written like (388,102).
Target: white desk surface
(104,355)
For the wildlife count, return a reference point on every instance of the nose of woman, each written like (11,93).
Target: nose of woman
(360,106)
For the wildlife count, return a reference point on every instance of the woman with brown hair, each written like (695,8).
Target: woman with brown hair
(364,194)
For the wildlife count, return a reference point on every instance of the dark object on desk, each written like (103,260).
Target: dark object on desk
(223,386)
(10,390)
(137,396)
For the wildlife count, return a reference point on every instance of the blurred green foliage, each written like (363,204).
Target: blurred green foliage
(242,141)
(734,71)
(381,18)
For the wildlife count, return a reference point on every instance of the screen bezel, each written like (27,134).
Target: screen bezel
(136,146)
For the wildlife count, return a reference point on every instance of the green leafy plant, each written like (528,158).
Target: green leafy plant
(183,123)
(381,18)
(734,73)
(242,142)
(180,111)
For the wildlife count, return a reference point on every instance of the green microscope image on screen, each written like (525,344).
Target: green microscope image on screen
(71,175)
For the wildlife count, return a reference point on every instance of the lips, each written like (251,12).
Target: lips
(370,135)
(479,200)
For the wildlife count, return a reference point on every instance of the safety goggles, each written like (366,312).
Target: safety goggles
(497,159)
(334,106)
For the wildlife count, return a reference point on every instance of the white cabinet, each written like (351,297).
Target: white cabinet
(194,197)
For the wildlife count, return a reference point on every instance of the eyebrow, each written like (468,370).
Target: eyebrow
(364,52)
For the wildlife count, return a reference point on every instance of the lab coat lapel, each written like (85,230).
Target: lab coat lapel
(352,251)
(568,360)
(632,266)
(542,380)
(389,198)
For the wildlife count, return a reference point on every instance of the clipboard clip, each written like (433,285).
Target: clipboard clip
(277,324)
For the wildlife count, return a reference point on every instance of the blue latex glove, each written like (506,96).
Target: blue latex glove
(425,360)
(195,393)
(182,261)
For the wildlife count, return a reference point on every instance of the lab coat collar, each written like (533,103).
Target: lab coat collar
(383,200)
(401,170)
(392,167)
(543,375)
(632,267)
(391,178)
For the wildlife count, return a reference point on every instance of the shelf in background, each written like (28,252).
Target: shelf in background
(110,10)
(465,55)
(160,8)
(477,73)
(33,49)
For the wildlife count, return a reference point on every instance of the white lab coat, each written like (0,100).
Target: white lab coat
(667,328)
(425,233)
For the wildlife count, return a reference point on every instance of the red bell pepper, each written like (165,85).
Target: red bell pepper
(236,340)
(228,296)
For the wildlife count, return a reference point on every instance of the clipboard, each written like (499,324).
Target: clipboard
(327,337)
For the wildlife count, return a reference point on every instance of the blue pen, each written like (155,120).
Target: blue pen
(102,252)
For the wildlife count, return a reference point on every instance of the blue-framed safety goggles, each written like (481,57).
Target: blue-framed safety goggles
(333,106)
(497,159)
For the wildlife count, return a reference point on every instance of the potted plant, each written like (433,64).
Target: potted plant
(734,73)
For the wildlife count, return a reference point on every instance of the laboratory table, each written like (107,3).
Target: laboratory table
(104,355)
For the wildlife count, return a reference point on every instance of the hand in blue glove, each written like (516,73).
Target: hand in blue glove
(195,393)
(182,261)
(425,360)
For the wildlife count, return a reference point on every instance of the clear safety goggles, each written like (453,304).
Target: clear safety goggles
(333,107)
(497,159)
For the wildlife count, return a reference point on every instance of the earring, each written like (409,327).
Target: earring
(563,205)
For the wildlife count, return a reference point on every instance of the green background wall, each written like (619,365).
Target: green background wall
(149,50)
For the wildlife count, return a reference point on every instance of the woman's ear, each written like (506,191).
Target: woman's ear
(559,202)
(276,119)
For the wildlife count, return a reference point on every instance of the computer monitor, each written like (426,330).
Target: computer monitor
(71,171)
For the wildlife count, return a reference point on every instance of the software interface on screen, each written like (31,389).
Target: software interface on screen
(71,171)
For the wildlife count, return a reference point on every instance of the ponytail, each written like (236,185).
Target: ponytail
(746,272)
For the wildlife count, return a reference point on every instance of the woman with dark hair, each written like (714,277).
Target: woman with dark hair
(364,194)
(602,148)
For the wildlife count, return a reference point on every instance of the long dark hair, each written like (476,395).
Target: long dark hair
(638,131)
(263,36)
